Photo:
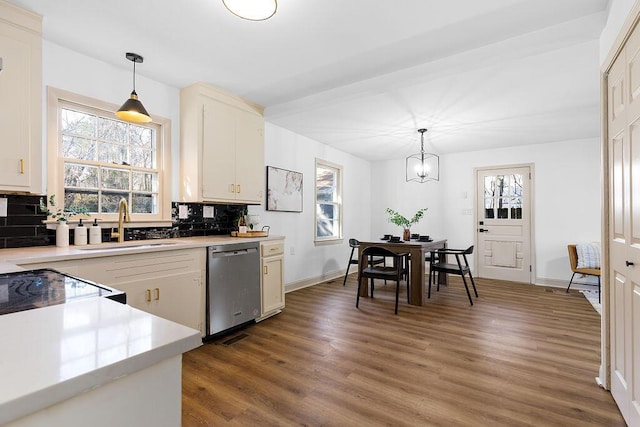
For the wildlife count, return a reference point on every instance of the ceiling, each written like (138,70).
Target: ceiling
(363,78)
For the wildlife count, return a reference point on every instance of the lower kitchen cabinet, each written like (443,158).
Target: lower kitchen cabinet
(169,284)
(272,278)
(172,297)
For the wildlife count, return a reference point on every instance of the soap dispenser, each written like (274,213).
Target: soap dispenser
(80,234)
(95,233)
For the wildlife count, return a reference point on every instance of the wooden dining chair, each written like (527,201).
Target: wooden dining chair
(461,268)
(355,244)
(376,271)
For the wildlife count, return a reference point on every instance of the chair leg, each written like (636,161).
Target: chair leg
(431,273)
(408,287)
(358,291)
(598,289)
(570,281)
(344,282)
(473,284)
(397,294)
(467,288)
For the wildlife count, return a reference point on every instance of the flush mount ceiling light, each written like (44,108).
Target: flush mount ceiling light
(423,167)
(253,10)
(133,110)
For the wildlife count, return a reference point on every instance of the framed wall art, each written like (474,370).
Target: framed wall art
(284,190)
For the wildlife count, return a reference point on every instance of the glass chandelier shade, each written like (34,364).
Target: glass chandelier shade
(423,167)
(133,110)
(253,10)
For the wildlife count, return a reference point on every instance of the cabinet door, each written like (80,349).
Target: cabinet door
(175,297)
(218,152)
(250,174)
(18,127)
(272,284)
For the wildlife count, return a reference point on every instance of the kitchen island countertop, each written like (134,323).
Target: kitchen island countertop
(52,354)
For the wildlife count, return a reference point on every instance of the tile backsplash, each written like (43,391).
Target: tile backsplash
(23,225)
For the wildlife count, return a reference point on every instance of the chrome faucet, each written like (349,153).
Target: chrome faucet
(123,216)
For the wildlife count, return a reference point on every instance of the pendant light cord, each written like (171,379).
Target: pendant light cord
(134,77)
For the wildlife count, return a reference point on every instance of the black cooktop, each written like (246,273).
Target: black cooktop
(24,290)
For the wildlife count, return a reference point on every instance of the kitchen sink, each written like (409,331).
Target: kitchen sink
(115,246)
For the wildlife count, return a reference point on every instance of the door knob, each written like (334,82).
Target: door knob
(483,230)
(628,263)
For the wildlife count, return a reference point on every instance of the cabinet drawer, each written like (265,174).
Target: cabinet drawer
(272,248)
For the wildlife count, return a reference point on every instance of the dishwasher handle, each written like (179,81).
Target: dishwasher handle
(235,252)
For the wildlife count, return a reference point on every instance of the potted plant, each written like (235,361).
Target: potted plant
(402,221)
(62,216)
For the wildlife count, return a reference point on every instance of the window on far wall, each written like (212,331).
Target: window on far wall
(328,201)
(101,159)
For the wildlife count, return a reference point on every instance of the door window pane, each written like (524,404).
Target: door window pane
(503,196)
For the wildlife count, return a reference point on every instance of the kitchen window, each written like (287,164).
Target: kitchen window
(328,216)
(97,159)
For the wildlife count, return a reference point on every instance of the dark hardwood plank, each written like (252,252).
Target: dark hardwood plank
(521,356)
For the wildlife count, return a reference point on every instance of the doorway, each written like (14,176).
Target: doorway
(503,223)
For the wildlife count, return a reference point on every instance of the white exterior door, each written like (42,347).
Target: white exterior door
(503,232)
(623,141)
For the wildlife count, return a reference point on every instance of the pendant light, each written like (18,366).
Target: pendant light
(133,110)
(253,10)
(423,167)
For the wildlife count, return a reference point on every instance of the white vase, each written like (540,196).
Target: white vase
(62,234)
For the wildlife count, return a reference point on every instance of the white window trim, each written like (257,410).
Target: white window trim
(55,172)
(327,240)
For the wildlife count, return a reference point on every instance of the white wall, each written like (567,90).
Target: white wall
(390,190)
(566,198)
(287,150)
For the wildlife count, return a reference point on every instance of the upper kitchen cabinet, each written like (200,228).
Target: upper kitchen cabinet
(20,100)
(222,147)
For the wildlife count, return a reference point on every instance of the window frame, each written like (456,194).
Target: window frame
(339,203)
(58,99)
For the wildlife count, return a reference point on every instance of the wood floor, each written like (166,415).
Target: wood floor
(521,356)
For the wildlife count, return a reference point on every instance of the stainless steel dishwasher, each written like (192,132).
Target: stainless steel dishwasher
(233,286)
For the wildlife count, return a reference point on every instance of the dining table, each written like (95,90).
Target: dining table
(418,251)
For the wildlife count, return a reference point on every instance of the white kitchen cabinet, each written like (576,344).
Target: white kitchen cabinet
(222,147)
(169,284)
(272,278)
(175,296)
(20,100)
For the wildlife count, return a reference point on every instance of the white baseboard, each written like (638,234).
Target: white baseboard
(311,281)
(539,281)
(555,283)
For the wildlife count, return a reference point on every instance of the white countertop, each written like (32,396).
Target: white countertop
(53,353)
(9,258)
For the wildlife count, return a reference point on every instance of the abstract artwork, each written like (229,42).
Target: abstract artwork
(284,190)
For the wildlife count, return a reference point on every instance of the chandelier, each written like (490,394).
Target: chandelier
(423,167)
